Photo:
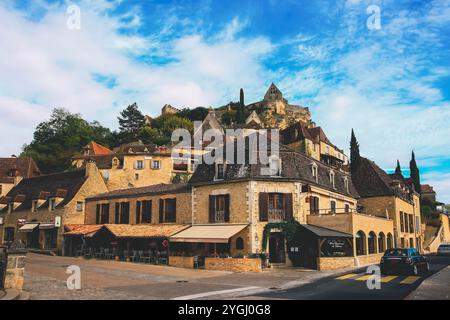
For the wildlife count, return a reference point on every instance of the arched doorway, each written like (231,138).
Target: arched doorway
(381,242)
(389,241)
(371,241)
(360,240)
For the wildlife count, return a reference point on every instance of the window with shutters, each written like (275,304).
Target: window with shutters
(104,215)
(333,206)
(139,165)
(220,171)
(402,226)
(411,223)
(125,213)
(219,208)
(275,207)
(146,216)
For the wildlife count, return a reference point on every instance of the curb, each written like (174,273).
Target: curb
(412,295)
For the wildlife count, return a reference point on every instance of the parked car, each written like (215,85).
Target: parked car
(404,260)
(444,249)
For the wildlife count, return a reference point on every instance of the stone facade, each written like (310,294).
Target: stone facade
(181,262)
(233,264)
(15,270)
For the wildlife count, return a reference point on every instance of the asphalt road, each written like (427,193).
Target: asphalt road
(353,286)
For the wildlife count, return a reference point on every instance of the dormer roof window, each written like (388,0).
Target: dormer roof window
(314,171)
(275,166)
(332,181)
(346,184)
(220,171)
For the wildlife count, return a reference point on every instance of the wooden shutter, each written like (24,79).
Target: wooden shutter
(263,206)
(117,213)
(161,210)
(212,209)
(138,212)
(97,214)
(316,204)
(288,208)
(227,208)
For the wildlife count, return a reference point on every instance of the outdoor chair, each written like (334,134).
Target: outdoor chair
(146,257)
(88,253)
(126,254)
(106,253)
(162,259)
(79,252)
(196,263)
(135,257)
(99,254)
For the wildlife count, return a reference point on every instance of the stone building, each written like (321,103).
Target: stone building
(311,140)
(392,197)
(37,208)
(135,165)
(13,170)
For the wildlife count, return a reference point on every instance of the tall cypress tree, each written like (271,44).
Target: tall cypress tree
(414,172)
(240,113)
(398,169)
(355,158)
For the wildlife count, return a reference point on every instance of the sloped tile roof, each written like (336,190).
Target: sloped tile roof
(52,185)
(143,191)
(98,149)
(82,229)
(26,168)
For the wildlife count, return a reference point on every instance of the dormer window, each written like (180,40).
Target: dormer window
(10,207)
(332,179)
(314,171)
(52,204)
(115,162)
(275,166)
(220,171)
(34,206)
(346,184)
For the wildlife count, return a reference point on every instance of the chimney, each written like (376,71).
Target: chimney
(91,167)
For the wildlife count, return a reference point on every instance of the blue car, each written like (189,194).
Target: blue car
(404,260)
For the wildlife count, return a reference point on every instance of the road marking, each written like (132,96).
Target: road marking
(213,293)
(410,280)
(388,279)
(346,276)
(364,278)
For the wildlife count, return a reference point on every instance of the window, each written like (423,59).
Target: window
(411,242)
(314,172)
(275,166)
(219,208)
(360,240)
(10,207)
(389,241)
(9,234)
(139,165)
(156,164)
(381,242)
(275,207)
(406,222)
(34,206)
(402,226)
(411,223)
(52,204)
(220,171)
(105,175)
(402,243)
(347,208)
(239,244)
(328,150)
(333,206)
(136,176)
(332,179)
(346,184)
(146,216)
(121,213)
(115,162)
(314,205)
(80,206)
(167,210)
(102,213)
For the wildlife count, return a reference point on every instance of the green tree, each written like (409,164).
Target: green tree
(166,124)
(228,117)
(240,112)
(414,172)
(56,141)
(196,114)
(355,157)
(398,169)
(131,121)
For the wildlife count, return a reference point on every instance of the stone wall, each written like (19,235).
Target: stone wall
(368,259)
(332,263)
(233,264)
(15,271)
(181,262)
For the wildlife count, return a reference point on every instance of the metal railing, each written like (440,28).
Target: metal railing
(276,215)
(334,211)
(220,216)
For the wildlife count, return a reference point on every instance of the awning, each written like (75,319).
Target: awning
(28,227)
(87,230)
(326,232)
(144,230)
(210,233)
(46,226)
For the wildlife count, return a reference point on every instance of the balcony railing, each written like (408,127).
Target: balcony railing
(335,211)
(276,215)
(220,216)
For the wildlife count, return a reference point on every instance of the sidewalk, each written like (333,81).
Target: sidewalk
(436,287)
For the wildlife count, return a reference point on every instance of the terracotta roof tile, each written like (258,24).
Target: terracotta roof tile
(144,230)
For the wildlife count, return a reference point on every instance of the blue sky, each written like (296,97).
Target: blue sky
(391,85)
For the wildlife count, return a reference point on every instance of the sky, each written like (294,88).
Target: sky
(385,75)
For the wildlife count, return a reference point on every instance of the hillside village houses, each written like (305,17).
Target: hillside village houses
(310,211)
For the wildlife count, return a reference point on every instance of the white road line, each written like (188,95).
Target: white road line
(213,293)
